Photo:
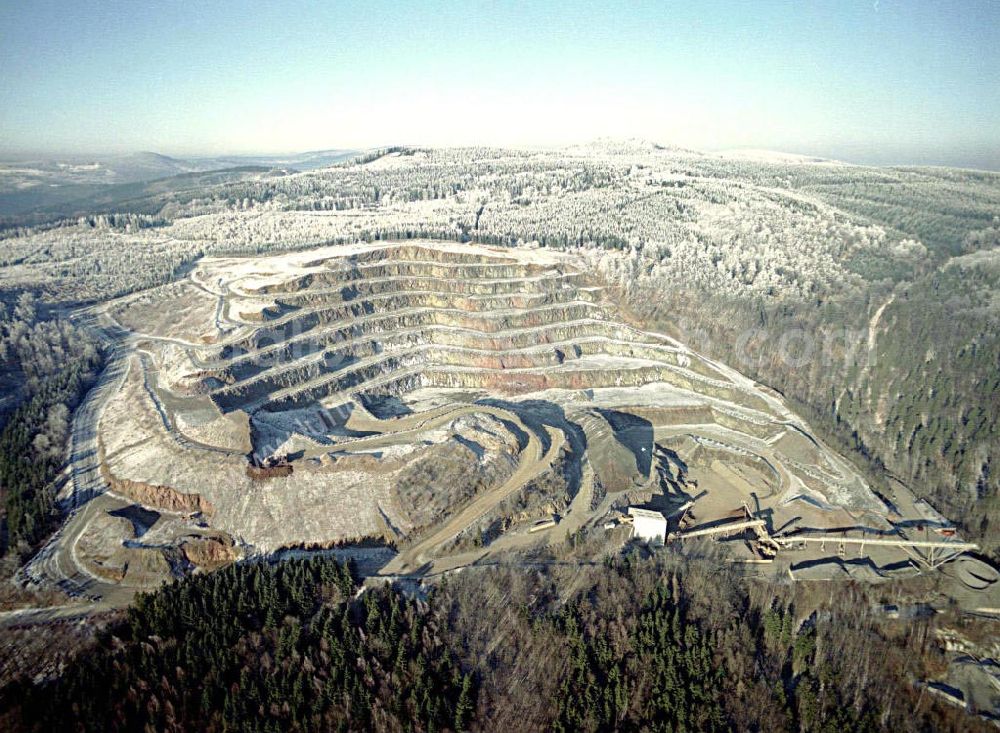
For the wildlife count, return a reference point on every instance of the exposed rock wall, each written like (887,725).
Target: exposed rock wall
(154,496)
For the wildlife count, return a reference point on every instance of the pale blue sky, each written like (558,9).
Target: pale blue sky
(873,80)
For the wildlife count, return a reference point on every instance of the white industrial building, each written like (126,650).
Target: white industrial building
(648,525)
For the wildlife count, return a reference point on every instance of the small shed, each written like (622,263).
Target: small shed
(648,525)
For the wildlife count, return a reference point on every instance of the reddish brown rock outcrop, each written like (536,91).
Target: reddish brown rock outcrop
(209,553)
(154,496)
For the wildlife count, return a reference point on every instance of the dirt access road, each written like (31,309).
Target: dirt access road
(531,465)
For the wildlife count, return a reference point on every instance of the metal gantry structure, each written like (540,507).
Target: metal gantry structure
(929,553)
(937,553)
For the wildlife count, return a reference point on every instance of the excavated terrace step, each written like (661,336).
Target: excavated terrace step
(341,276)
(339,342)
(531,357)
(487,322)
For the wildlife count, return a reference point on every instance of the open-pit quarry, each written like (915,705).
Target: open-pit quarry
(425,405)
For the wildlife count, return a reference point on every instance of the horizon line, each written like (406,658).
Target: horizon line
(50,155)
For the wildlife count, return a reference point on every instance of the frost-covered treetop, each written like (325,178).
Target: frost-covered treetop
(738,224)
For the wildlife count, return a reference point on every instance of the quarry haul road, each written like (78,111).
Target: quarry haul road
(395,430)
(56,562)
(532,464)
(44,614)
(166,414)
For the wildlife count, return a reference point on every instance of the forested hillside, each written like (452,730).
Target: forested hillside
(262,647)
(628,645)
(905,372)
(47,367)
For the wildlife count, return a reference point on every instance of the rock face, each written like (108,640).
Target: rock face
(209,553)
(156,497)
(262,473)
